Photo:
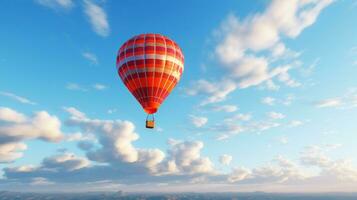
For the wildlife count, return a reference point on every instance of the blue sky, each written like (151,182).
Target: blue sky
(267,100)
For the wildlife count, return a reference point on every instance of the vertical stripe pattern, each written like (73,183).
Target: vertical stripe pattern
(150,66)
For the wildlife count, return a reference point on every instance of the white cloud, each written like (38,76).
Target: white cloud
(198,121)
(342,169)
(275,115)
(75,114)
(9,115)
(116,148)
(239,117)
(97,17)
(11,151)
(328,103)
(111,111)
(41,181)
(17,98)
(19,128)
(66,162)
(99,86)
(295,123)
(239,174)
(283,140)
(76,87)
(270,85)
(268,101)
(91,57)
(240,123)
(288,100)
(184,157)
(281,170)
(225,108)
(243,40)
(225,159)
(55,4)
(216,91)
(184,166)
(80,137)
(346,101)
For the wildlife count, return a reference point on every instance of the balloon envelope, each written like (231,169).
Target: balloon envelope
(150,66)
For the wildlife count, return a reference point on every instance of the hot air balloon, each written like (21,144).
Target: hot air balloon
(150,66)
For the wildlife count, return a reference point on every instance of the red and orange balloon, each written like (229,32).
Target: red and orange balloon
(150,66)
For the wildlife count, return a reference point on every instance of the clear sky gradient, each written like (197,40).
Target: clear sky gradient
(267,100)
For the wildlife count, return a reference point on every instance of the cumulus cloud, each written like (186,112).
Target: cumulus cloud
(185,166)
(16,127)
(198,121)
(65,162)
(225,159)
(97,17)
(57,4)
(280,170)
(9,115)
(116,148)
(243,40)
(342,169)
(184,158)
(239,174)
(249,48)
(11,151)
(17,98)
(119,158)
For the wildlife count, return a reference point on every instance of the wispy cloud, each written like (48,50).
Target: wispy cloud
(99,86)
(346,101)
(19,128)
(76,87)
(275,115)
(268,101)
(56,4)
(17,98)
(97,17)
(91,57)
(225,108)
(216,91)
(335,102)
(198,121)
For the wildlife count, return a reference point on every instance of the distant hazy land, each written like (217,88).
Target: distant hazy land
(171,196)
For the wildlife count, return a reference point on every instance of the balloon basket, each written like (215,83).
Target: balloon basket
(150,123)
